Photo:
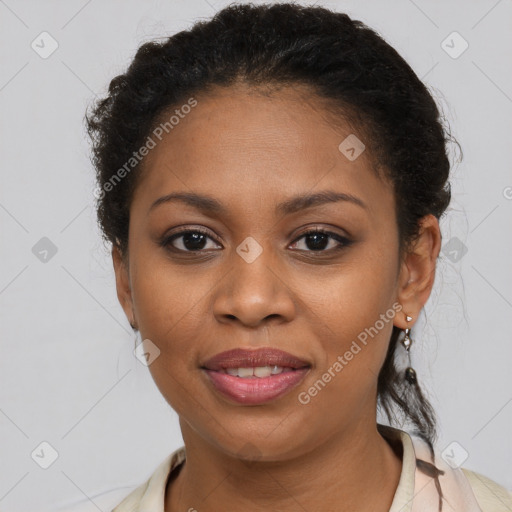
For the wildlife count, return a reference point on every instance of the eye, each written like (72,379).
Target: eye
(321,240)
(190,240)
(198,240)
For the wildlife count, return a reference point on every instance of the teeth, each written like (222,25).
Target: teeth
(245,372)
(277,369)
(259,371)
(263,371)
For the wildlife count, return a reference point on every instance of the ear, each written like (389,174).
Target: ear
(417,271)
(123,287)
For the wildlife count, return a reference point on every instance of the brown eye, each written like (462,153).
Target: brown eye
(189,241)
(319,240)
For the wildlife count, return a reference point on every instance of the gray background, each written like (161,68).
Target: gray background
(68,375)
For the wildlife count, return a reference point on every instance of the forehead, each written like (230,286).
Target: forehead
(252,147)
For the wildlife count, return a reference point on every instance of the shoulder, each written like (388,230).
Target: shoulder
(462,488)
(150,495)
(146,496)
(491,496)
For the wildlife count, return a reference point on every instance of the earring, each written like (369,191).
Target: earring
(410,373)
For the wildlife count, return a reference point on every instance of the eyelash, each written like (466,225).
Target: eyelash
(343,241)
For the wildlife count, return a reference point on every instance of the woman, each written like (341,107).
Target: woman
(271,181)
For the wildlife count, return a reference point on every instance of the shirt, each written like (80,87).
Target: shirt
(463,490)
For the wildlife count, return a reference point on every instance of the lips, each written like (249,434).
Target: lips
(243,358)
(254,377)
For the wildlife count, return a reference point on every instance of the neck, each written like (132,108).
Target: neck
(356,470)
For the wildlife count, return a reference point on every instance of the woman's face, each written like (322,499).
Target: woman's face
(254,279)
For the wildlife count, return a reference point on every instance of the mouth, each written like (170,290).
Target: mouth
(248,372)
(252,377)
(258,359)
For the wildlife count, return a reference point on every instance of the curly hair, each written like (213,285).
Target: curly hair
(363,80)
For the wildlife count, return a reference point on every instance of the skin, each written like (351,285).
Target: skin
(250,152)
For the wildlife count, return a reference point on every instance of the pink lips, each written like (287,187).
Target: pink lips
(255,390)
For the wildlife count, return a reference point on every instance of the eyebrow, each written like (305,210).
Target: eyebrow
(211,205)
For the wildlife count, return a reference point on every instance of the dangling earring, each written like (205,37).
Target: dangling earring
(410,373)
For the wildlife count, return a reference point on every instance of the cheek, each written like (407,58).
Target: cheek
(353,311)
(169,306)
(167,297)
(355,294)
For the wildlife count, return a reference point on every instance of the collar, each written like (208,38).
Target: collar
(416,491)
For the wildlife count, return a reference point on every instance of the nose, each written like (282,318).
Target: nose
(255,293)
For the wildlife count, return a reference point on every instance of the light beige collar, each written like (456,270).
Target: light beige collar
(416,491)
